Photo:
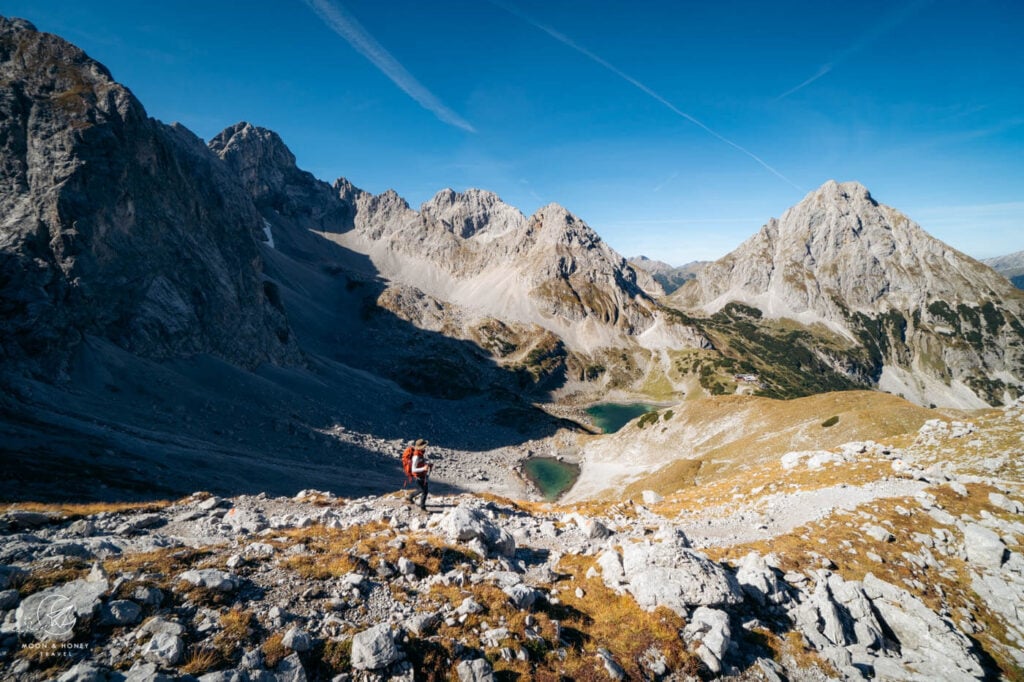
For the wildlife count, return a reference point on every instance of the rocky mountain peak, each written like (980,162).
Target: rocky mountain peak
(842,259)
(286,195)
(117,226)
(250,148)
(468,213)
(41,64)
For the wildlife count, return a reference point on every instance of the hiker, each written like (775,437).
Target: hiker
(417,468)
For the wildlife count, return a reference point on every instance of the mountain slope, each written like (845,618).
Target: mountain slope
(144,345)
(1010,266)
(116,225)
(939,327)
(549,270)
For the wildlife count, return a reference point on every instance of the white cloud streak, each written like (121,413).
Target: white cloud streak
(884,26)
(569,42)
(348,27)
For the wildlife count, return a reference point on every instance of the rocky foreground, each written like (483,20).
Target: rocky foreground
(914,574)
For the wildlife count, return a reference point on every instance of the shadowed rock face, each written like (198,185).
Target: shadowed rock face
(116,225)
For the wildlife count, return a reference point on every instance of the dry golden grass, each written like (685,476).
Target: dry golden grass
(71,511)
(274,651)
(237,627)
(332,552)
(201,660)
(42,578)
(164,563)
(600,618)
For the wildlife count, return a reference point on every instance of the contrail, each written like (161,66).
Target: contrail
(877,31)
(566,40)
(346,26)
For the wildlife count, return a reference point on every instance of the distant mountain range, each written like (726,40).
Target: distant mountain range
(1010,266)
(217,302)
(668,276)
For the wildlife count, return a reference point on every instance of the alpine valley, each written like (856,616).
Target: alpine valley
(195,336)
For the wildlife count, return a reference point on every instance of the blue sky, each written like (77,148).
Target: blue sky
(675,129)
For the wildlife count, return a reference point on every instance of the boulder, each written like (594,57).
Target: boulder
(53,613)
(983,546)
(298,640)
(929,643)
(122,612)
(143,671)
(709,629)
(668,574)
(466,524)
(164,649)
(211,579)
(759,581)
(290,670)
(244,520)
(521,596)
(157,625)
(475,670)
(375,648)
(85,671)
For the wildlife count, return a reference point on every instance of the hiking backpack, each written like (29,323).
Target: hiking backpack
(407,456)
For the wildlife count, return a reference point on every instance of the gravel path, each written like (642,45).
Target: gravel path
(779,513)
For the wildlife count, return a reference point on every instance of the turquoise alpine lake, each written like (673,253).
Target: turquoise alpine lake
(610,417)
(551,476)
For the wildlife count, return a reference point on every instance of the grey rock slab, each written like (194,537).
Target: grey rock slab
(375,648)
(475,670)
(664,574)
(85,671)
(710,627)
(298,640)
(210,578)
(164,648)
(465,524)
(157,625)
(143,671)
(290,669)
(224,676)
(521,596)
(122,612)
(53,613)
(929,643)
(983,546)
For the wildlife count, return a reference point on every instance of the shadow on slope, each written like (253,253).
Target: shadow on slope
(124,427)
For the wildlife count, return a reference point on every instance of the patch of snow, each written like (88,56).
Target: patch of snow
(268,233)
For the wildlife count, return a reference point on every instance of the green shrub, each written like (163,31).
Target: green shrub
(831,421)
(649,418)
